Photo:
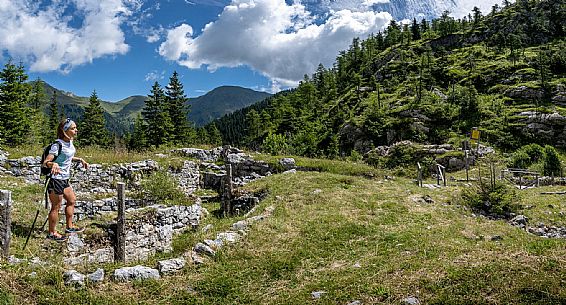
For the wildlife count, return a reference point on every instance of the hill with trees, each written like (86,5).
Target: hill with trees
(427,82)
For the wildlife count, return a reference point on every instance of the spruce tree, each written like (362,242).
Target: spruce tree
(14,95)
(138,139)
(202,135)
(53,113)
(156,117)
(182,133)
(93,130)
(214,136)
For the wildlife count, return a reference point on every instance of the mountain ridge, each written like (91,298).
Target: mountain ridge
(121,114)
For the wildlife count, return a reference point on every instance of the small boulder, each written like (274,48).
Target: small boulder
(96,277)
(171,265)
(74,278)
(127,274)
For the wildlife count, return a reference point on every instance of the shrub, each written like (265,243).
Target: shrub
(275,144)
(551,161)
(493,199)
(402,154)
(162,187)
(526,156)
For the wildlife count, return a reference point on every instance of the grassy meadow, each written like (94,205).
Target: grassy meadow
(346,230)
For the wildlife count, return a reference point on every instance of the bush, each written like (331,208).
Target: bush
(492,199)
(162,187)
(275,144)
(526,156)
(402,154)
(551,161)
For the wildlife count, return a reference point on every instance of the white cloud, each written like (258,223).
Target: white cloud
(154,76)
(45,38)
(279,40)
(373,2)
(463,8)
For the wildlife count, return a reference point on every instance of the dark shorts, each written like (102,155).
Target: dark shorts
(57,186)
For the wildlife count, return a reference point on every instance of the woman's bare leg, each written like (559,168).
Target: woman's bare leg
(53,217)
(71,199)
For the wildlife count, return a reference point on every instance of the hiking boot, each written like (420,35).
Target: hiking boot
(74,230)
(56,238)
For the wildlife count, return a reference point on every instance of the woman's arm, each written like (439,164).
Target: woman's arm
(55,169)
(83,162)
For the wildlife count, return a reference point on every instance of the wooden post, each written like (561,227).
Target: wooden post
(467,165)
(419,175)
(5,221)
(120,254)
(227,188)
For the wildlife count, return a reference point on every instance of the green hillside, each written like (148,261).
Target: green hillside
(221,101)
(427,82)
(121,115)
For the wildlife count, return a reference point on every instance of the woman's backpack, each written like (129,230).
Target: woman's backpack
(46,171)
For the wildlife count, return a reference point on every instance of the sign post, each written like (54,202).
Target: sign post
(475,136)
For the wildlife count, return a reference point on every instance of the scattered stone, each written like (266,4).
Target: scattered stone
(171,265)
(212,244)
(240,225)
(74,278)
(12,260)
(411,301)
(317,191)
(355,302)
(96,277)
(127,274)
(75,243)
(291,171)
(227,237)
(195,258)
(32,275)
(204,249)
(496,238)
(37,262)
(519,221)
(207,228)
(317,294)
(357,265)
(288,163)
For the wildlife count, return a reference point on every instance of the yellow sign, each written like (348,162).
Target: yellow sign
(475,134)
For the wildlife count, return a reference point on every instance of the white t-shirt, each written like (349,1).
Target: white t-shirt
(65,160)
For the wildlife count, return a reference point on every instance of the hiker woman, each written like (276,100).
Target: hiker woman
(59,186)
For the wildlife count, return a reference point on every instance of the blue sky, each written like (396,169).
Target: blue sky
(121,47)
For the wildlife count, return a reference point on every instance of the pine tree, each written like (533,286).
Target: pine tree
(156,117)
(214,136)
(138,139)
(202,135)
(53,113)
(415,32)
(14,95)
(93,130)
(39,133)
(37,99)
(182,133)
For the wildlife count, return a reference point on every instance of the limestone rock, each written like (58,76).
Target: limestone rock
(74,278)
(127,274)
(96,277)
(171,265)
(204,249)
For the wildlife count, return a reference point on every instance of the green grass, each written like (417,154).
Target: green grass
(357,239)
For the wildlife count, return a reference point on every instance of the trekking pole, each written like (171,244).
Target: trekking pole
(46,203)
(36,215)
